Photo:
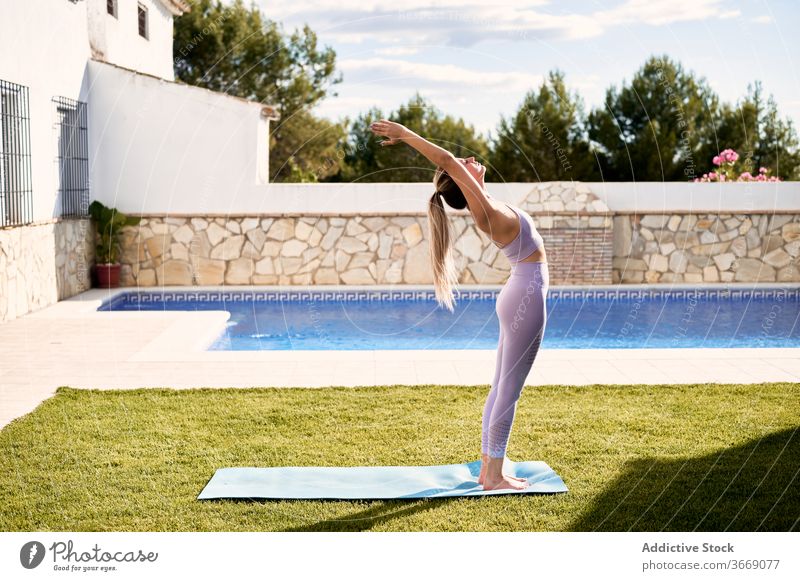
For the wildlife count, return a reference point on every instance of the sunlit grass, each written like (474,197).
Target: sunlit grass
(687,457)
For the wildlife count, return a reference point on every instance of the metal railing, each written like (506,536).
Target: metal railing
(73,156)
(16,190)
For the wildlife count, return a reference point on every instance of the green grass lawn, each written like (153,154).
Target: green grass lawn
(639,458)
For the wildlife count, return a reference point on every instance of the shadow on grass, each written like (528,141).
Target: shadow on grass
(752,487)
(380,512)
(368,518)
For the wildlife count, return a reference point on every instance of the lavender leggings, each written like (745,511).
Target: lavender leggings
(522,311)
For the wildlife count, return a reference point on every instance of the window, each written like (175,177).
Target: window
(111,7)
(142,21)
(73,156)
(16,192)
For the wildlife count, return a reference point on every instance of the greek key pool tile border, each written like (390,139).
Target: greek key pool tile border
(585,294)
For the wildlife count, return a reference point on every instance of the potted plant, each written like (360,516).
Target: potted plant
(108,222)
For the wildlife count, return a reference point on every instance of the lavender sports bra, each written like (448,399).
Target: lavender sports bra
(528,239)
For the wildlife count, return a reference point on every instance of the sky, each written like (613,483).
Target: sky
(477,59)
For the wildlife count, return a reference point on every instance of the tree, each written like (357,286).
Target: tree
(233,49)
(657,128)
(367,160)
(754,129)
(310,148)
(545,139)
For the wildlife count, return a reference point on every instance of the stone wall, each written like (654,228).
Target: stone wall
(43,263)
(361,249)
(585,243)
(707,247)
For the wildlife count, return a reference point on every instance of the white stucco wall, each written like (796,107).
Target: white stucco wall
(160,144)
(43,45)
(698,197)
(196,190)
(117,40)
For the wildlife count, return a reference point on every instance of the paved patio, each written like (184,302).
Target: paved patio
(72,344)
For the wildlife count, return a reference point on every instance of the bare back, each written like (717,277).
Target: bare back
(503,227)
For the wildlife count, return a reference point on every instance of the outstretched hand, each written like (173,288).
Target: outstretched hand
(392,131)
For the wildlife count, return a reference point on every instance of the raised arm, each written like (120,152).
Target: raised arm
(476,196)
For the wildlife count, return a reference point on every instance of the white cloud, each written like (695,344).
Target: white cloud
(763,19)
(397,50)
(335,107)
(382,70)
(468,22)
(473,95)
(281,10)
(662,12)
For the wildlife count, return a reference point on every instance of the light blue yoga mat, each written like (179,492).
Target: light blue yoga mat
(373,482)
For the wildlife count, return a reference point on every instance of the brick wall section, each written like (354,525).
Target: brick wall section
(577,228)
(578,255)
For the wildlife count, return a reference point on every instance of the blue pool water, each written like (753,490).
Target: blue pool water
(407,319)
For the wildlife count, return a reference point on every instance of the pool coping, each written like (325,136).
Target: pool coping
(95,298)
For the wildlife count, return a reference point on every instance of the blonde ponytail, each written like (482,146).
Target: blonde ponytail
(445,275)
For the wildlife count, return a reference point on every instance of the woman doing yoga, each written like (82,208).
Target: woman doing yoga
(520,306)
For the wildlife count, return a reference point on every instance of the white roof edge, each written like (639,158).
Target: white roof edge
(176,7)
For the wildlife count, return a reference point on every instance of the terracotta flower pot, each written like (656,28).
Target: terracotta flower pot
(107,275)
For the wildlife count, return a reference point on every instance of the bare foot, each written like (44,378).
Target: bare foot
(485,465)
(482,477)
(505,482)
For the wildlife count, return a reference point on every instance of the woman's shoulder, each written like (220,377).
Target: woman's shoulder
(498,204)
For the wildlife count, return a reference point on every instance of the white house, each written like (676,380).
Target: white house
(134,34)
(89,108)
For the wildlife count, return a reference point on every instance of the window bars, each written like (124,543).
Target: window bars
(73,156)
(142,18)
(16,192)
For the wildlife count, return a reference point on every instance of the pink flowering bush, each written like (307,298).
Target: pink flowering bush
(728,171)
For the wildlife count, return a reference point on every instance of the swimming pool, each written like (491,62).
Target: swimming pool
(583,318)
